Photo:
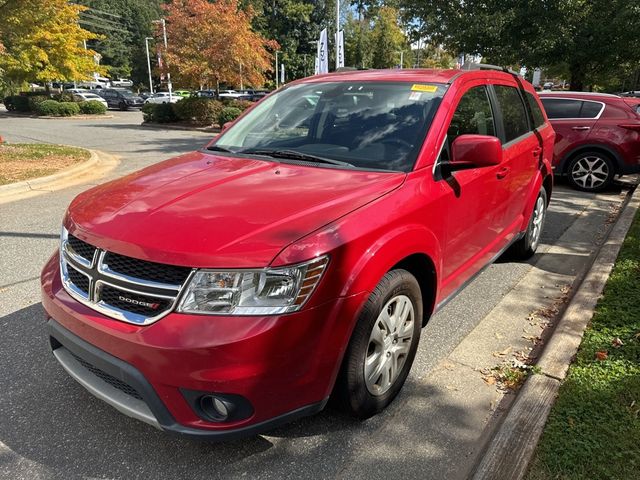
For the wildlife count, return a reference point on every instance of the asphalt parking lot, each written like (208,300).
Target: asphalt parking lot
(50,427)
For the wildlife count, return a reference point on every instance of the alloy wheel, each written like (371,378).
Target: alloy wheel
(537,222)
(590,172)
(389,344)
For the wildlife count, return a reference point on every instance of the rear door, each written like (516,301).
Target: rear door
(573,120)
(521,154)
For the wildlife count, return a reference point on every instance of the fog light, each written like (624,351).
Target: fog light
(216,408)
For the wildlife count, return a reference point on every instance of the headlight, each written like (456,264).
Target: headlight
(252,292)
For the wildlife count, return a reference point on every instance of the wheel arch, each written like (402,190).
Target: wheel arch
(421,266)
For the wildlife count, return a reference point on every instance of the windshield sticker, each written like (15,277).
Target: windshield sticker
(415,95)
(416,87)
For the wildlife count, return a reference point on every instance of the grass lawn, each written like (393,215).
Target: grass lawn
(593,431)
(24,161)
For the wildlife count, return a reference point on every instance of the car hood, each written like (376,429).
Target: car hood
(204,210)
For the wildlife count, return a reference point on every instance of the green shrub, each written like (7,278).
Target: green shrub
(17,103)
(202,111)
(92,107)
(68,109)
(64,97)
(34,100)
(147,112)
(241,105)
(158,113)
(48,107)
(57,109)
(228,114)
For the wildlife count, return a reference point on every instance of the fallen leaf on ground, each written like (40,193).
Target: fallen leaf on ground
(490,380)
(502,353)
(602,355)
(617,343)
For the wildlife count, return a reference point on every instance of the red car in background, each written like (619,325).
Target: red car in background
(597,137)
(299,254)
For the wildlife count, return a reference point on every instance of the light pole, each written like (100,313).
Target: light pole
(241,85)
(401,59)
(164,35)
(337,30)
(277,79)
(146,44)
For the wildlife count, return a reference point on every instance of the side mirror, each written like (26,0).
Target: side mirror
(470,151)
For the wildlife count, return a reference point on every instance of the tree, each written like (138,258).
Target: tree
(124,24)
(388,39)
(42,42)
(587,40)
(213,43)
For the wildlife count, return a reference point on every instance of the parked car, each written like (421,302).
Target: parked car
(204,94)
(96,83)
(88,96)
(76,90)
(120,98)
(633,102)
(122,82)
(597,137)
(144,94)
(547,85)
(163,97)
(229,94)
(632,93)
(182,93)
(229,290)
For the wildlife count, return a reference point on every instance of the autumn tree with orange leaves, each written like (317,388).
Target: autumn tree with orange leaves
(213,43)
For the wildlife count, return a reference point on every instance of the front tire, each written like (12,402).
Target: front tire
(382,347)
(122,106)
(526,247)
(590,172)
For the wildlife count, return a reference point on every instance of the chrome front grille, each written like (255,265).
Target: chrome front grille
(127,289)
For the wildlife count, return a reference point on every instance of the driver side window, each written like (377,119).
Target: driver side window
(473,115)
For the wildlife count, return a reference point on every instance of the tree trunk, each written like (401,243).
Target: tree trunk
(576,80)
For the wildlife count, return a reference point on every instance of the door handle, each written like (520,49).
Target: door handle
(503,172)
(536,151)
(580,128)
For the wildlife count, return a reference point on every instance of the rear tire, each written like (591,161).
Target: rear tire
(382,347)
(590,171)
(526,247)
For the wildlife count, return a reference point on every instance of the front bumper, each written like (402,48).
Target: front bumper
(284,366)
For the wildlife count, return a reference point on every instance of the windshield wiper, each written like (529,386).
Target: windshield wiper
(217,148)
(293,155)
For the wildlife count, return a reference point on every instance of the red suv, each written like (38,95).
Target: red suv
(298,255)
(597,137)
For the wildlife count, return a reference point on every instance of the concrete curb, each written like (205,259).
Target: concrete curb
(163,126)
(98,164)
(512,447)
(47,117)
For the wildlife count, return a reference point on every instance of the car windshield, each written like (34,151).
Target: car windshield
(370,125)
(126,93)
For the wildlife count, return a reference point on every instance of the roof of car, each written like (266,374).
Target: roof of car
(406,75)
(560,93)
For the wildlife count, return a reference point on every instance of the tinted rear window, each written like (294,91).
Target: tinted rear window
(514,115)
(562,107)
(590,109)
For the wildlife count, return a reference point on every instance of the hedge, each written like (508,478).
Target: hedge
(35,100)
(92,107)
(17,103)
(201,111)
(57,109)
(159,112)
(228,114)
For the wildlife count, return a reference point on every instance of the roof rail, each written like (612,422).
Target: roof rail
(486,66)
